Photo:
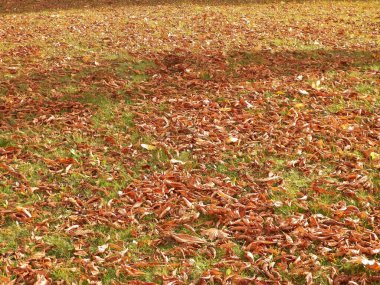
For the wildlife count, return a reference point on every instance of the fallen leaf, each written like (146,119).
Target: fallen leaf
(102,248)
(374,156)
(188,239)
(176,161)
(148,146)
(299,105)
(214,234)
(41,280)
(231,139)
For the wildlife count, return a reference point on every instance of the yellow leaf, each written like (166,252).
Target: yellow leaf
(316,85)
(375,156)
(299,105)
(347,127)
(86,58)
(148,146)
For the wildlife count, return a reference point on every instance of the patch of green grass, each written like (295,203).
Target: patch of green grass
(78,138)
(157,160)
(135,71)
(137,138)
(321,206)
(33,171)
(239,251)
(67,78)
(365,88)
(376,182)
(123,69)
(337,106)
(12,236)
(200,264)
(205,76)
(185,156)
(363,104)
(110,276)
(350,268)
(226,169)
(7,190)
(65,274)
(252,57)
(374,67)
(143,65)
(127,119)
(277,163)
(111,187)
(5,142)
(105,114)
(61,246)
(295,181)
(111,57)
(22,87)
(70,89)
(294,44)
(126,95)
(124,234)
(3,91)
(163,107)
(246,58)
(297,278)
(288,209)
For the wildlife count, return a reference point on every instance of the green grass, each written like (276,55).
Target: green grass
(4,142)
(365,88)
(61,247)
(68,275)
(12,237)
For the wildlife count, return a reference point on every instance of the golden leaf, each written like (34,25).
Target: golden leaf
(148,146)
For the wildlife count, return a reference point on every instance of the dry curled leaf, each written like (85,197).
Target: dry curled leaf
(187,239)
(214,234)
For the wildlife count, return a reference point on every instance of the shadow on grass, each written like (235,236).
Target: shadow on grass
(114,79)
(264,64)
(24,6)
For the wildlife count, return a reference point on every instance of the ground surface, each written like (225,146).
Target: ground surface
(234,144)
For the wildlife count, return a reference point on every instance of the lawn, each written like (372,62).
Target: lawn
(147,142)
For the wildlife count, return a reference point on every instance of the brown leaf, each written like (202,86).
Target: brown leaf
(214,234)
(185,238)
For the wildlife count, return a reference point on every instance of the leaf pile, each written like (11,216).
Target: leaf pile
(189,143)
